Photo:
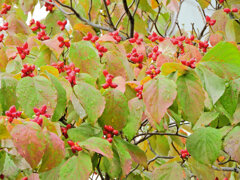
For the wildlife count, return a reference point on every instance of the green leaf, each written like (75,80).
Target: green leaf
(3,59)
(115,170)
(168,171)
(52,174)
(136,108)
(232,30)
(205,119)
(8,92)
(135,152)
(214,85)
(91,99)
(158,95)
(54,152)
(190,96)
(204,3)
(118,65)
(78,107)
(229,99)
(124,156)
(85,57)
(61,98)
(30,142)
(202,171)
(4,134)
(51,21)
(83,132)
(77,167)
(223,52)
(98,145)
(116,109)
(2,159)
(204,145)
(35,92)
(222,69)
(232,144)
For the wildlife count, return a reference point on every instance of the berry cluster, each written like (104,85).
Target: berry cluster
(210,21)
(62,24)
(65,129)
(109,78)
(154,37)
(109,132)
(42,36)
(37,120)
(153,71)
(179,42)
(4,27)
(101,49)
(49,7)
(90,37)
(71,68)
(42,111)
(23,51)
(227,10)
(135,57)
(116,36)
(1,37)
(63,42)
(184,153)
(5,8)
(59,65)
(189,40)
(154,54)
(136,39)
(38,25)
(71,73)
(12,113)
(191,63)
(74,146)
(203,45)
(221,1)
(38,112)
(139,90)
(27,70)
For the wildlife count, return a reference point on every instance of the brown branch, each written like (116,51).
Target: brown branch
(130,17)
(108,15)
(120,19)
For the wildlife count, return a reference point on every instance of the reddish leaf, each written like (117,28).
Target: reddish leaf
(232,144)
(54,153)
(30,142)
(191,52)
(158,96)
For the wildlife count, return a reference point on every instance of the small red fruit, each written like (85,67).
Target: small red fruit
(109,140)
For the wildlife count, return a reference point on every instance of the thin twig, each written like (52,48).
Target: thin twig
(108,15)
(89,11)
(99,171)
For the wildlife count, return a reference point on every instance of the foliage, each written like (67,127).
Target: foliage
(117,90)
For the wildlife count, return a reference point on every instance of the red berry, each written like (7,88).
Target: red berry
(71,143)
(115,132)
(109,135)
(227,10)
(235,10)
(109,140)
(25,178)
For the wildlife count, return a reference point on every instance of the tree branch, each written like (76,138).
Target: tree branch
(130,17)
